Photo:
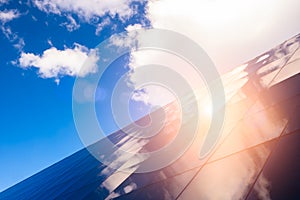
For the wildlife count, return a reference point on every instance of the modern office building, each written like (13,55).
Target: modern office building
(256,156)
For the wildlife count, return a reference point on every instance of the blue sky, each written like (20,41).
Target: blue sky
(44,43)
(37,127)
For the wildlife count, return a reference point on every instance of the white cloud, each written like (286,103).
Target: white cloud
(150,94)
(6,30)
(8,15)
(72,24)
(17,41)
(54,63)
(154,94)
(133,27)
(106,21)
(50,42)
(20,44)
(128,39)
(87,9)
(231,31)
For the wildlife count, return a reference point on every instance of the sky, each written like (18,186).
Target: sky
(45,43)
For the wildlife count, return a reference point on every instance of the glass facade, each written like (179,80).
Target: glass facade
(256,157)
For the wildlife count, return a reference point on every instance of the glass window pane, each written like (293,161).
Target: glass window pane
(228,178)
(251,131)
(281,175)
(287,72)
(167,189)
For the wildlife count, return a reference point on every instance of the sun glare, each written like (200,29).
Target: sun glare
(230,13)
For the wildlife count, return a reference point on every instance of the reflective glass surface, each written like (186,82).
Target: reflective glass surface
(228,178)
(280,176)
(257,155)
